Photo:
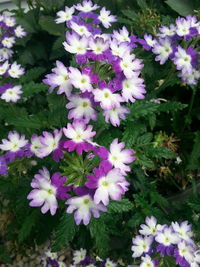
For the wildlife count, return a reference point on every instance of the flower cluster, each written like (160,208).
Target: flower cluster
(107,73)
(93,192)
(178,43)
(80,258)
(159,241)
(9,70)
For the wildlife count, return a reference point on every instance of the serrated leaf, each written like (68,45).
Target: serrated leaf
(32,74)
(33,88)
(120,206)
(145,138)
(99,233)
(171,106)
(161,152)
(27,225)
(142,108)
(65,233)
(124,21)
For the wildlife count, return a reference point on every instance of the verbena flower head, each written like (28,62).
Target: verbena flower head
(178,43)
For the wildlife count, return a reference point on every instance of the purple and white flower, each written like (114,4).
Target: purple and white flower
(81,108)
(86,6)
(12,94)
(64,16)
(85,208)
(76,44)
(59,78)
(14,143)
(106,18)
(107,183)
(141,245)
(80,134)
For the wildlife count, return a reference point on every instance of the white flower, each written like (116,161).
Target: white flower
(14,143)
(105,18)
(80,29)
(16,70)
(85,208)
(129,64)
(98,45)
(76,44)
(118,49)
(122,35)
(4,67)
(183,230)
(167,237)
(9,21)
(12,94)
(66,15)
(80,80)
(163,49)
(149,39)
(52,255)
(147,262)
(8,42)
(151,227)
(79,255)
(36,145)
(183,60)
(185,251)
(19,31)
(107,99)
(110,263)
(86,6)
(141,245)
(5,53)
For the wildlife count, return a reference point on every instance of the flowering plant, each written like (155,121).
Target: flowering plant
(92,141)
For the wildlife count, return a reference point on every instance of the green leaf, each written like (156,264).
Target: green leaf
(65,233)
(48,24)
(144,161)
(99,233)
(142,4)
(124,21)
(30,20)
(161,152)
(182,7)
(129,14)
(142,108)
(171,106)
(27,225)
(194,158)
(32,74)
(145,138)
(32,88)
(120,206)
(58,44)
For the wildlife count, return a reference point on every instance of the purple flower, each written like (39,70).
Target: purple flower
(80,134)
(85,208)
(141,245)
(50,143)
(76,44)
(81,108)
(119,157)
(46,190)
(59,78)
(86,6)
(3,166)
(107,182)
(114,115)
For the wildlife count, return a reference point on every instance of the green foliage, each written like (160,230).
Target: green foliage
(27,225)
(122,206)
(195,155)
(183,7)
(65,233)
(98,231)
